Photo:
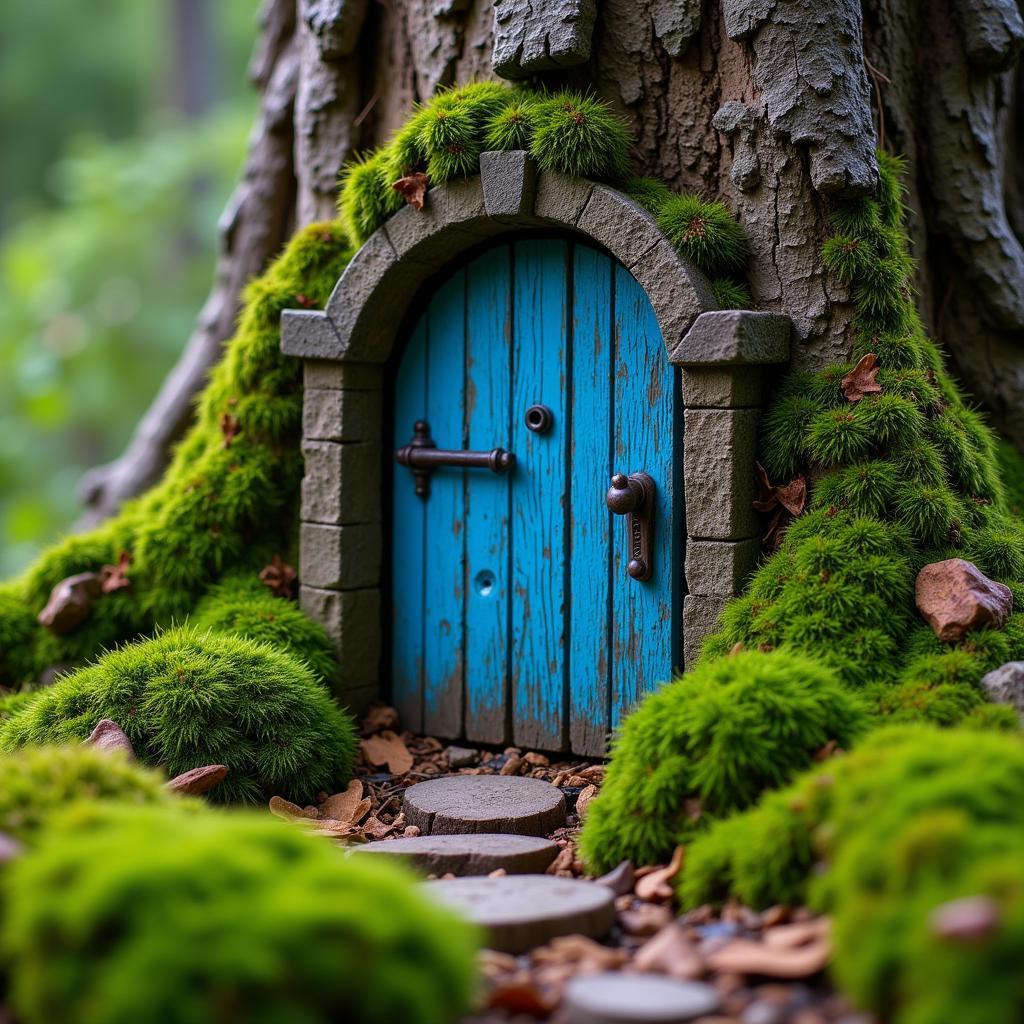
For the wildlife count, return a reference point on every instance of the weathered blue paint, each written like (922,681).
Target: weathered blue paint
(513,616)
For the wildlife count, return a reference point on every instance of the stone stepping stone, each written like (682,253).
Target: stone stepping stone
(614,998)
(468,854)
(520,912)
(459,804)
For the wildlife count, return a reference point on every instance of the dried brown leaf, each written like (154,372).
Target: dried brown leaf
(230,428)
(860,381)
(279,577)
(656,886)
(114,577)
(286,809)
(341,806)
(387,750)
(379,718)
(670,952)
(741,956)
(583,800)
(414,188)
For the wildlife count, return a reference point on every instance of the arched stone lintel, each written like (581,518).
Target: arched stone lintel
(364,313)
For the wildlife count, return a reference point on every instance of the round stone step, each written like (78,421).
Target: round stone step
(458,804)
(615,998)
(520,912)
(475,854)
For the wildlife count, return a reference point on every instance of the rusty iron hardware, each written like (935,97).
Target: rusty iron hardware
(633,496)
(539,419)
(422,456)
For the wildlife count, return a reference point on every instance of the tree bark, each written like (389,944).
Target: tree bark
(776,106)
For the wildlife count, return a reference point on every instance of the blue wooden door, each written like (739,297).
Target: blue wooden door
(513,616)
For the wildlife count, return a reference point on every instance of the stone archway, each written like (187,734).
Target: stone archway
(723,355)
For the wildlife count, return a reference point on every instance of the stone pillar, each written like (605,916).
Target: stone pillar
(726,360)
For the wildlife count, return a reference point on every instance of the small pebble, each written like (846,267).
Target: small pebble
(462,757)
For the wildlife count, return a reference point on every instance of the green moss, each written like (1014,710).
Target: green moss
(188,699)
(708,744)
(579,135)
(730,294)
(1011,469)
(513,127)
(650,193)
(243,606)
(40,782)
(157,915)
(705,233)
(362,201)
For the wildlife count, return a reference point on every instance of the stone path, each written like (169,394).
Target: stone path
(520,912)
(484,803)
(465,855)
(617,998)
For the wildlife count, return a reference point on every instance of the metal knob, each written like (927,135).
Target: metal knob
(633,496)
(624,495)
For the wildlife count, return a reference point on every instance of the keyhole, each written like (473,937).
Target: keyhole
(484,582)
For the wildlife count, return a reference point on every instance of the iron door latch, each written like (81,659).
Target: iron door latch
(633,496)
(422,456)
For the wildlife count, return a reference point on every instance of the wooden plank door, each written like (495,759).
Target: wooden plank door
(513,617)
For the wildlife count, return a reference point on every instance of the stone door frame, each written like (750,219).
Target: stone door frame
(725,357)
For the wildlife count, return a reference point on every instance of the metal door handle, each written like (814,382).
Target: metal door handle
(633,496)
(422,456)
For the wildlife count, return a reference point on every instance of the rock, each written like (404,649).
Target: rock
(70,602)
(198,780)
(468,854)
(620,879)
(1005,685)
(954,596)
(108,735)
(459,804)
(462,757)
(520,912)
(615,998)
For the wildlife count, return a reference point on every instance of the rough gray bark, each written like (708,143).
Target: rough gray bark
(775,106)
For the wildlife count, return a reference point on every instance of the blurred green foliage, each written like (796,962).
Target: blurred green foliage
(108,210)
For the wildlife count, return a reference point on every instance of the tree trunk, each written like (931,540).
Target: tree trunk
(776,107)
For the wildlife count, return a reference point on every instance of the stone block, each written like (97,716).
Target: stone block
(622,226)
(509,183)
(678,292)
(700,619)
(352,621)
(735,387)
(340,557)
(561,198)
(330,374)
(727,337)
(330,414)
(719,450)
(342,484)
(453,218)
(309,333)
(720,567)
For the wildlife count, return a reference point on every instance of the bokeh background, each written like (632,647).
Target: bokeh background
(124,126)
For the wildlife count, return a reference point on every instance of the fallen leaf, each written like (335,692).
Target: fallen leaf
(198,780)
(114,577)
(578,949)
(670,952)
(70,602)
(741,956)
(286,809)
(279,577)
(387,750)
(520,996)
(379,718)
(341,806)
(374,828)
(789,936)
(646,919)
(229,428)
(583,800)
(791,496)
(656,886)
(414,188)
(108,735)
(860,381)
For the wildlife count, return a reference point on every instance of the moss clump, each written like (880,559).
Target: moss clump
(579,135)
(40,782)
(914,818)
(363,197)
(188,699)
(153,915)
(707,745)
(225,502)
(705,233)
(650,193)
(242,605)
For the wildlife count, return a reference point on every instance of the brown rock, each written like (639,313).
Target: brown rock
(473,854)
(520,912)
(954,596)
(108,735)
(70,602)
(198,780)
(484,803)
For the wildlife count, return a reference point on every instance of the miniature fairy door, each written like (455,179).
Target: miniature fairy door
(524,608)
